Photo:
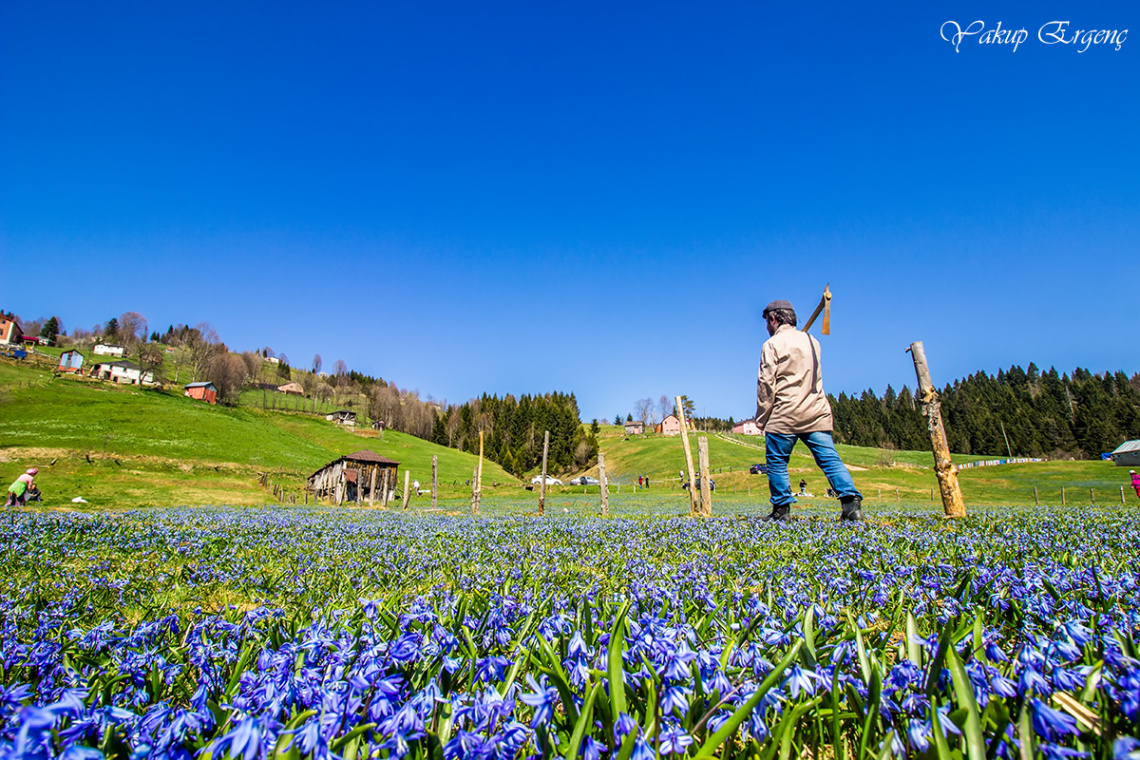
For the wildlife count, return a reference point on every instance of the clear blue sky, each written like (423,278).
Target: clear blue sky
(591,197)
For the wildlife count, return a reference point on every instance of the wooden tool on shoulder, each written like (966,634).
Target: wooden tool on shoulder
(825,307)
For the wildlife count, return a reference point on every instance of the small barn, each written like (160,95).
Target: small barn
(106,349)
(747,427)
(353,477)
(1127,454)
(671,425)
(125,372)
(293,389)
(636,427)
(342,417)
(70,361)
(204,391)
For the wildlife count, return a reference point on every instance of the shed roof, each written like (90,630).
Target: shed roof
(364,455)
(1127,446)
(202,384)
(124,363)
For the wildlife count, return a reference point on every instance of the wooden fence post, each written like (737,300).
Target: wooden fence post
(407,475)
(1122,494)
(434,480)
(952,503)
(602,483)
(542,485)
(1035,499)
(703,464)
(693,509)
(384,490)
(475,490)
(372,488)
(1092,498)
(1062,495)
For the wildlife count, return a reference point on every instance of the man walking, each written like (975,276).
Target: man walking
(791,406)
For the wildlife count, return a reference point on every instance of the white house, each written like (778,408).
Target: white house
(747,427)
(127,373)
(106,349)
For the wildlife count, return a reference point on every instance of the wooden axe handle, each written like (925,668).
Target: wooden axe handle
(825,307)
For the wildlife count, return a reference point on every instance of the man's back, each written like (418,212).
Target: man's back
(789,391)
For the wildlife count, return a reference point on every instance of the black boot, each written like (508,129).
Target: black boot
(779,514)
(852,508)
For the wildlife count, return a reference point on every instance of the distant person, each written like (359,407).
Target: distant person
(1135,482)
(646,482)
(18,491)
(803,486)
(416,486)
(639,481)
(792,406)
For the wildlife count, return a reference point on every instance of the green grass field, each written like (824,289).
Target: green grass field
(124,446)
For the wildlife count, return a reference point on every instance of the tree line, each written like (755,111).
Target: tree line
(1019,413)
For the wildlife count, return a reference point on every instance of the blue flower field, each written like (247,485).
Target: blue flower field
(319,633)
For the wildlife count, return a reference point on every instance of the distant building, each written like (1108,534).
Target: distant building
(342,417)
(635,427)
(272,360)
(10,331)
(671,425)
(106,349)
(203,392)
(123,372)
(1127,454)
(70,361)
(747,427)
(350,478)
(295,389)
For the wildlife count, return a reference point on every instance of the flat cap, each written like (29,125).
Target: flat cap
(778,305)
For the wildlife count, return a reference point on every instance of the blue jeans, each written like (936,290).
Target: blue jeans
(778,448)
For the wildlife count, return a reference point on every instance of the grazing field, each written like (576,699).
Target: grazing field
(291,632)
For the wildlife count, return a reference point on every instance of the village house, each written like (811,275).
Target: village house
(747,427)
(124,372)
(204,391)
(354,476)
(635,427)
(10,331)
(106,349)
(342,417)
(295,389)
(70,361)
(671,425)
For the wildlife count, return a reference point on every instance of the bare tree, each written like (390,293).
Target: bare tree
(316,363)
(204,345)
(252,363)
(643,408)
(665,406)
(227,373)
(132,332)
(151,358)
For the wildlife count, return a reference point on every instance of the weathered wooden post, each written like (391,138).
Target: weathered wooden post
(952,503)
(384,495)
(407,475)
(602,483)
(693,510)
(359,486)
(542,485)
(1092,499)
(703,464)
(1122,494)
(1062,495)
(479,476)
(475,490)
(372,488)
(434,480)
(1036,500)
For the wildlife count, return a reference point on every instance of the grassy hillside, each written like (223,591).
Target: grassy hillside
(891,476)
(128,446)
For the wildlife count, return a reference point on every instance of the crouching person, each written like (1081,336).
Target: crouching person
(18,491)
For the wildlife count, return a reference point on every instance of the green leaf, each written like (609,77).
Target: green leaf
(941,747)
(934,672)
(615,669)
(913,648)
(972,731)
(1025,733)
(582,724)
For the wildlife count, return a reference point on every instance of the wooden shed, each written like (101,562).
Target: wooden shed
(1127,454)
(70,361)
(353,476)
(204,391)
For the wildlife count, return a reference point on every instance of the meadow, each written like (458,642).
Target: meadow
(216,632)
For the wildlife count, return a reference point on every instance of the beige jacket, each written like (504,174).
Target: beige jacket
(789,387)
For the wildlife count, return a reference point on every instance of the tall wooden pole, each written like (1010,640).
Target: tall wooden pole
(952,503)
(602,483)
(693,511)
(407,476)
(372,488)
(475,490)
(479,476)
(434,480)
(703,464)
(542,485)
